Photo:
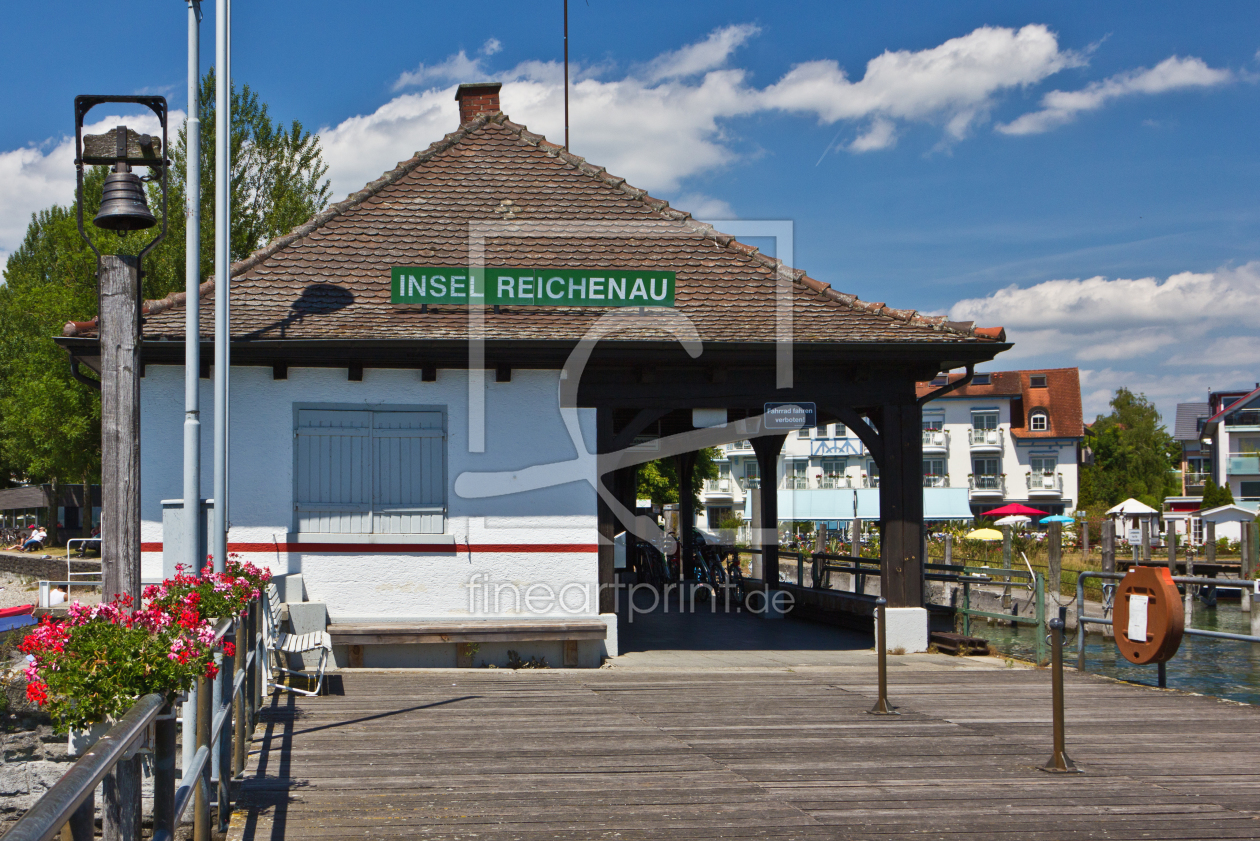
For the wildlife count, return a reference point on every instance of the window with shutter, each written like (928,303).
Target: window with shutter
(370,471)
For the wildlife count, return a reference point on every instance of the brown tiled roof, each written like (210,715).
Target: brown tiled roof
(1061,399)
(330,278)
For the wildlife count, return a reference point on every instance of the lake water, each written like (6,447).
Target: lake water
(1223,668)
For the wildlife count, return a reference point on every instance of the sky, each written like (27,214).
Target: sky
(1082,174)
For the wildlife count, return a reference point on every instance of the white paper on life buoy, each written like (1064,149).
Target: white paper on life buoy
(1137,617)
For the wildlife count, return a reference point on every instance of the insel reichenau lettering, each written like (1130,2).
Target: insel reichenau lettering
(532,287)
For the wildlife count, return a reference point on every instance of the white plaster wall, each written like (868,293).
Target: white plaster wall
(523,428)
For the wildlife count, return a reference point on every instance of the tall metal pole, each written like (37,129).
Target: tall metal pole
(222,254)
(193,559)
(566,75)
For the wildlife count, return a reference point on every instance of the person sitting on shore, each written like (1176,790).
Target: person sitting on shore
(36,540)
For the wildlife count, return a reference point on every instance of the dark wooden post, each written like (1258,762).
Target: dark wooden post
(767,449)
(901,506)
(1109,545)
(1054,583)
(119,281)
(605,523)
(686,463)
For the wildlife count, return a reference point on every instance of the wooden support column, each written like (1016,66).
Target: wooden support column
(605,523)
(628,494)
(901,505)
(767,449)
(119,281)
(686,463)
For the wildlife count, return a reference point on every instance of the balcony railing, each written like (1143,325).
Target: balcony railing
(987,485)
(720,485)
(870,481)
(828,483)
(796,483)
(1246,463)
(935,439)
(936,481)
(1045,483)
(1243,417)
(986,437)
(1196,481)
(751,483)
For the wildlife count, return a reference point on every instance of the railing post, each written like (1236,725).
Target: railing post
(949,548)
(1006,564)
(1209,555)
(82,823)
(882,707)
(223,744)
(966,623)
(201,802)
(1059,762)
(260,655)
(1247,562)
(1080,621)
(1039,594)
(240,703)
(164,770)
(1054,552)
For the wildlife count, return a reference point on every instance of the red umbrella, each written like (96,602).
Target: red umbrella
(1014,508)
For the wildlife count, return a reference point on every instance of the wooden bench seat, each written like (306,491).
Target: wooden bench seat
(466,634)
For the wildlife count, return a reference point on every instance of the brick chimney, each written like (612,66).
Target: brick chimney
(478,98)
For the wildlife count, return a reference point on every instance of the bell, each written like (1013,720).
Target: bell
(123,204)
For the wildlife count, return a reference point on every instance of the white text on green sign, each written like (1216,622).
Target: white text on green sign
(532,287)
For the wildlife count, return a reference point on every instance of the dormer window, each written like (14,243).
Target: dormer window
(1037,380)
(981,379)
(1039,422)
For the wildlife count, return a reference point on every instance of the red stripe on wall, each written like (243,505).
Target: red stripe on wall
(390,548)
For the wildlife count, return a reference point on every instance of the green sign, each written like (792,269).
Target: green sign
(532,287)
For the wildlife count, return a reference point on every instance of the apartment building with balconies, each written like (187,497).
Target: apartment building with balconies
(1229,440)
(1007,436)
(1011,436)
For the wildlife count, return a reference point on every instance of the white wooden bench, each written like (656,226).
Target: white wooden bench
(467,635)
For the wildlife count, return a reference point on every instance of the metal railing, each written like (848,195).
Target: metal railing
(985,437)
(870,481)
(987,484)
(1045,482)
(831,483)
(1243,417)
(1109,592)
(218,748)
(720,485)
(936,481)
(796,483)
(936,439)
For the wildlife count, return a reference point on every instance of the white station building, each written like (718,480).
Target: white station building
(431,378)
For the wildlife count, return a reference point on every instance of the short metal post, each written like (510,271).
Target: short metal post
(1163,675)
(966,611)
(164,771)
(223,745)
(1039,594)
(82,823)
(882,707)
(201,801)
(238,742)
(1059,762)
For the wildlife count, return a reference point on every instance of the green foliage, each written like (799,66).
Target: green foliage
(658,480)
(1214,495)
(49,422)
(1133,455)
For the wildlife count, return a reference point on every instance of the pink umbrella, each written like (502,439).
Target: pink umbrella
(1014,508)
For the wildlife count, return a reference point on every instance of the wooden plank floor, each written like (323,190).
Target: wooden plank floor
(756,753)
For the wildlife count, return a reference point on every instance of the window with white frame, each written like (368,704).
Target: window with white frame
(370,471)
(984,419)
(935,473)
(933,422)
(1039,421)
(1043,465)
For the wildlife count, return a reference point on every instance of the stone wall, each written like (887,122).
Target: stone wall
(32,761)
(46,569)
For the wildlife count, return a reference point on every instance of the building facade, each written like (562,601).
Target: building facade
(1008,436)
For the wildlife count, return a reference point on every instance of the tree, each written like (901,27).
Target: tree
(49,422)
(1214,495)
(658,480)
(1133,454)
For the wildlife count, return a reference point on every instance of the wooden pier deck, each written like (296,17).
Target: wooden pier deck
(645,753)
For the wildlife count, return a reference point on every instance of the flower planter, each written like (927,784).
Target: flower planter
(80,741)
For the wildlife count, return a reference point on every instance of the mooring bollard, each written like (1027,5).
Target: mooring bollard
(882,707)
(1059,763)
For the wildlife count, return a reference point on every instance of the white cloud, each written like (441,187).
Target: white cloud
(1175,337)
(491,46)
(954,84)
(458,67)
(42,174)
(709,54)
(881,134)
(704,207)
(1060,107)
